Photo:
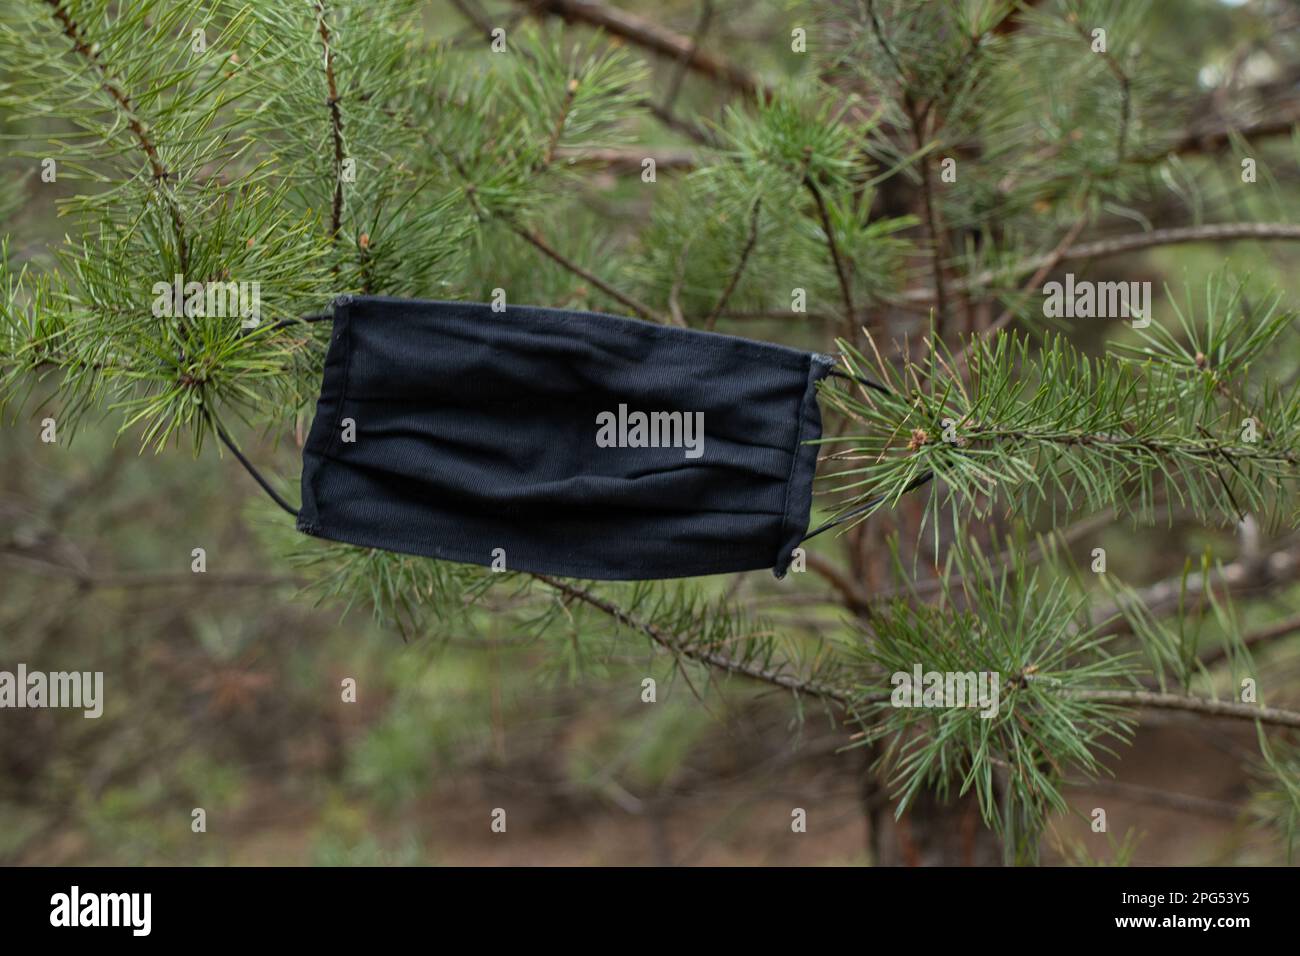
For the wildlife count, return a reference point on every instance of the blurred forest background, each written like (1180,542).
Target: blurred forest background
(224,688)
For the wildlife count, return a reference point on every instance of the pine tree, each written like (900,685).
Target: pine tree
(898,185)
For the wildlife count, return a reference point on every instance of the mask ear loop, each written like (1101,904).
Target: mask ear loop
(870,503)
(861,380)
(314,317)
(248,466)
(866,506)
(229,442)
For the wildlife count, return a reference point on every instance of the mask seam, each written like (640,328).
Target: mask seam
(817,363)
(784,531)
(597,572)
(783,356)
(342,311)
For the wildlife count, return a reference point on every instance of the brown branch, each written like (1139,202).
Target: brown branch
(336,122)
(1213,139)
(1202,140)
(776,315)
(1052,261)
(679,74)
(841,271)
(628,161)
(1236,577)
(570,92)
(736,273)
(474,14)
(878,30)
(652,36)
(135,580)
(1183,802)
(855,599)
(687,128)
(1283,628)
(1118,245)
(138,129)
(937,236)
(641,309)
(1196,705)
(766,675)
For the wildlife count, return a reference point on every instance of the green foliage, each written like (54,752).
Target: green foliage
(1277,791)
(337,147)
(1051,427)
(1010,621)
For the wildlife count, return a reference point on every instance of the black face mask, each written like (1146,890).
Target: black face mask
(567,443)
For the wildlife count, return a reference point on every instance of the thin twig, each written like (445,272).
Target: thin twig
(542,245)
(936,234)
(628,161)
(1052,261)
(855,598)
(767,675)
(683,62)
(652,36)
(1173,593)
(736,273)
(1125,88)
(146,142)
(535,239)
(1182,802)
(841,271)
(1283,628)
(1118,245)
(570,92)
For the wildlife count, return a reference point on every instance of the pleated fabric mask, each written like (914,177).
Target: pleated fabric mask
(566,443)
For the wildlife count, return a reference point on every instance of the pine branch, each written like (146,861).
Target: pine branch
(83,47)
(1265,635)
(1182,802)
(336,122)
(1035,428)
(936,235)
(687,128)
(1215,138)
(776,677)
(683,63)
(1236,577)
(654,37)
(736,273)
(841,271)
(628,161)
(1031,285)
(1152,700)
(535,239)
(570,90)
(1121,78)
(1118,245)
